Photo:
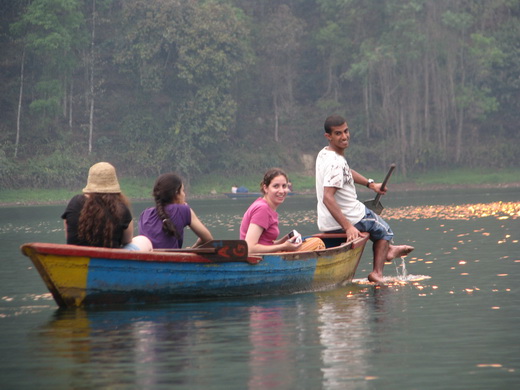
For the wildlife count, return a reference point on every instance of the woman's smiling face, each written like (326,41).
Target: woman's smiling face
(276,191)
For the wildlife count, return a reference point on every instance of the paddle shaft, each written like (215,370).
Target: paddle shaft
(187,250)
(209,247)
(383,185)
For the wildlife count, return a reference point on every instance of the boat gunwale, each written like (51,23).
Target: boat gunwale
(183,257)
(305,255)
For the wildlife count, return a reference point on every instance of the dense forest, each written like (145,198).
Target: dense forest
(229,87)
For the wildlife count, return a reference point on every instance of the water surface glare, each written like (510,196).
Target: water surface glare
(448,317)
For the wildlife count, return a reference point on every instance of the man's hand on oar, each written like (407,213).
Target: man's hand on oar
(375,204)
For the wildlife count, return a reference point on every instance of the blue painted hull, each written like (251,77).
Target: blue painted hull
(78,276)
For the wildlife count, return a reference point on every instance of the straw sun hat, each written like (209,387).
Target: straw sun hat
(102,179)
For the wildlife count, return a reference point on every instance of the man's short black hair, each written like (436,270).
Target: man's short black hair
(333,121)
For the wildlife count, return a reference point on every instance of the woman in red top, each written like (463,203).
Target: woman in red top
(259,226)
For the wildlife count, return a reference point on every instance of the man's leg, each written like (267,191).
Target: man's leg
(395,251)
(380,249)
(380,230)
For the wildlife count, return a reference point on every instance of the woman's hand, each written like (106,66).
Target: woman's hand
(291,246)
(281,240)
(282,244)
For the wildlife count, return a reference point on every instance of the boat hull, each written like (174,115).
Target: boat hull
(78,276)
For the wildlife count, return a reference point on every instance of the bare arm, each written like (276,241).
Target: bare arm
(253,236)
(204,235)
(65,227)
(335,211)
(360,179)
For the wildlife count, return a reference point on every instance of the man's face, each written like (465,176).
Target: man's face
(339,138)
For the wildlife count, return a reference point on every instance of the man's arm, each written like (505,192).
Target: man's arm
(330,202)
(360,179)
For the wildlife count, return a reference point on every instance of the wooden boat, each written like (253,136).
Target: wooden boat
(79,275)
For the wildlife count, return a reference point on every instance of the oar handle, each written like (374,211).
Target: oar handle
(187,250)
(383,185)
(224,250)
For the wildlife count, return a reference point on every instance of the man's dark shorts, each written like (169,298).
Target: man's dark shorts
(374,225)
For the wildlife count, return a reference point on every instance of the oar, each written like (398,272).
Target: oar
(224,250)
(374,204)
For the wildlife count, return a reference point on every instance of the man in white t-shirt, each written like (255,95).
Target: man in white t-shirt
(339,209)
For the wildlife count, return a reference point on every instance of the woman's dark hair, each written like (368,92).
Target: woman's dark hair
(166,189)
(270,175)
(100,216)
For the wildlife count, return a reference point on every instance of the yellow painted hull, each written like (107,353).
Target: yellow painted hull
(78,276)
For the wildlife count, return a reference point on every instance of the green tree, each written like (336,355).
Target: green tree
(279,49)
(192,85)
(189,54)
(54,32)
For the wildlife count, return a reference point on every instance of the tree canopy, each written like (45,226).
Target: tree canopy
(237,86)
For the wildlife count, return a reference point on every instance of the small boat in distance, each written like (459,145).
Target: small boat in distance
(239,195)
(80,275)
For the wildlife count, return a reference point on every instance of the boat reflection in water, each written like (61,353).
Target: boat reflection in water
(293,342)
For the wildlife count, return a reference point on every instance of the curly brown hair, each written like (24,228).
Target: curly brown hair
(100,216)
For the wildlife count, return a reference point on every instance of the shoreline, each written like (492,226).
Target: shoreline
(395,188)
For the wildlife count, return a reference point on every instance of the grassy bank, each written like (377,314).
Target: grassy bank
(140,188)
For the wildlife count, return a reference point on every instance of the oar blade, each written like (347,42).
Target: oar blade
(375,206)
(228,250)
(218,250)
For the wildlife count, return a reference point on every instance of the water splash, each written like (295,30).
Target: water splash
(400,269)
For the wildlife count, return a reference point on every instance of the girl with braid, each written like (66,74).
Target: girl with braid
(101,216)
(164,224)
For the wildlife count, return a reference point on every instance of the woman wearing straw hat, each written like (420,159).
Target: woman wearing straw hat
(101,216)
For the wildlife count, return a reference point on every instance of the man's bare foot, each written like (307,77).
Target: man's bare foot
(398,251)
(376,278)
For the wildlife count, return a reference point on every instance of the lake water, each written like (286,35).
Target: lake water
(453,323)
